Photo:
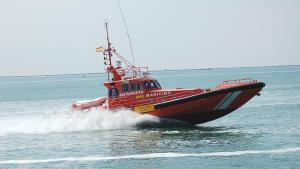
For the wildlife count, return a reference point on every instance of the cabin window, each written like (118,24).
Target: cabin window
(138,86)
(124,87)
(157,84)
(132,86)
(153,85)
(113,92)
(147,85)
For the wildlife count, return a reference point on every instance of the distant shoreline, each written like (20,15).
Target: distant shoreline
(91,73)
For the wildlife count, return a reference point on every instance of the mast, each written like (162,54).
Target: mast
(110,68)
(117,71)
(108,45)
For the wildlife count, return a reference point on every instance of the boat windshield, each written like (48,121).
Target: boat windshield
(152,84)
(158,85)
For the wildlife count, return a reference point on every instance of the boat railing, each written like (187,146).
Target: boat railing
(239,81)
(133,71)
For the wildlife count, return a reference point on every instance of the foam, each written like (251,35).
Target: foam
(72,121)
(151,156)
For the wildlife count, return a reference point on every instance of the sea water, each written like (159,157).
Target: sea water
(39,130)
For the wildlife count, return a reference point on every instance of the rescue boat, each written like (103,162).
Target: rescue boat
(132,88)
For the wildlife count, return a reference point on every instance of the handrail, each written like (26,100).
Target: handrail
(138,71)
(238,81)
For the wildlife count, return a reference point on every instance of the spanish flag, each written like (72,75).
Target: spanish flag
(99,49)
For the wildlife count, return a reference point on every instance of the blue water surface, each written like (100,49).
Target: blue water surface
(38,129)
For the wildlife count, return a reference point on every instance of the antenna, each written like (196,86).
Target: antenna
(126,32)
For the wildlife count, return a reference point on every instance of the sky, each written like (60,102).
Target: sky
(60,36)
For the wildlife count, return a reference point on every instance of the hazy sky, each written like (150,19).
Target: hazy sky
(60,36)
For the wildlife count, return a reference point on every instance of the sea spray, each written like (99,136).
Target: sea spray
(73,121)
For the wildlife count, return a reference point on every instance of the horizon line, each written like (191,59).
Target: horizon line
(149,71)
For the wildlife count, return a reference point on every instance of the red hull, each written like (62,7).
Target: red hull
(195,109)
(208,106)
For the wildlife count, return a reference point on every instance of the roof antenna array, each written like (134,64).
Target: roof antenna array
(126,32)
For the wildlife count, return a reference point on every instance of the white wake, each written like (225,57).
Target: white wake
(72,121)
(151,156)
